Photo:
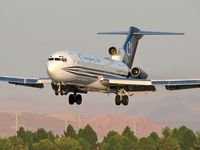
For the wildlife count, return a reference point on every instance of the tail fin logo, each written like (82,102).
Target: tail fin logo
(129,48)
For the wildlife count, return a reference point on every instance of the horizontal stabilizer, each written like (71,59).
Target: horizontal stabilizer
(139,32)
(157,33)
(142,33)
(114,33)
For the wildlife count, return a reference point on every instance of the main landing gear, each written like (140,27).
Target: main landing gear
(61,89)
(75,98)
(121,100)
(122,97)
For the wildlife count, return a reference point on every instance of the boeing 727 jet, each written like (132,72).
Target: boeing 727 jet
(79,72)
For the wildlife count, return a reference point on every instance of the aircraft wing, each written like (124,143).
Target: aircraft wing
(178,84)
(136,85)
(29,82)
(149,85)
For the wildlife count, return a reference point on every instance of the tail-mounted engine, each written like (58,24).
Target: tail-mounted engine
(138,73)
(112,51)
(117,54)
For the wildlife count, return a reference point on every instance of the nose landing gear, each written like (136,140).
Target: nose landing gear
(60,89)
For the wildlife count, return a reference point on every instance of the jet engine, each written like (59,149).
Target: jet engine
(117,54)
(138,73)
(112,51)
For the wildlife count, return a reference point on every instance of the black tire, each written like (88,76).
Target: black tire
(71,99)
(56,93)
(78,99)
(117,100)
(125,100)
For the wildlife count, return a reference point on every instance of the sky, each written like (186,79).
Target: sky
(30,31)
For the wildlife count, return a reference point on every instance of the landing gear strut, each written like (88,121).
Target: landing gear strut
(60,89)
(121,100)
(73,98)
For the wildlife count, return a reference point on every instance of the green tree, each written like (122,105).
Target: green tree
(40,134)
(68,144)
(110,133)
(130,135)
(5,144)
(147,144)
(175,133)
(18,143)
(197,143)
(169,143)
(84,145)
(116,142)
(51,136)
(25,137)
(166,132)
(186,137)
(89,135)
(45,144)
(154,137)
(70,132)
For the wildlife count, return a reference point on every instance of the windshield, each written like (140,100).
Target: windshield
(57,59)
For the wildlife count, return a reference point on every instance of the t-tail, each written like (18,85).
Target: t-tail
(133,36)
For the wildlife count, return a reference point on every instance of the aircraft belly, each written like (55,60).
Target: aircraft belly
(85,83)
(97,86)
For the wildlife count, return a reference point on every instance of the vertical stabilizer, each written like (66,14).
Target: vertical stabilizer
(130,46)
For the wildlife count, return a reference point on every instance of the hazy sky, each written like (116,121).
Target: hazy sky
(31,30)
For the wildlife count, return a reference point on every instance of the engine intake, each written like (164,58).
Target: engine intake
(112,51)
(138,73)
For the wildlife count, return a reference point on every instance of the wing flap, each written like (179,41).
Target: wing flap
(135,85)
(38,85)
(125,81)
(180,84)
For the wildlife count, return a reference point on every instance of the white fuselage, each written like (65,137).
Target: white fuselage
(84,70)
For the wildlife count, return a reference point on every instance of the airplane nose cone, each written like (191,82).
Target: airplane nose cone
(51,69)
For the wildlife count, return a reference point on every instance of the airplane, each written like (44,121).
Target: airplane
(79,72)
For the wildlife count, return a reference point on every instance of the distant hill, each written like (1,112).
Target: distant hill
(102,124)
(55,114)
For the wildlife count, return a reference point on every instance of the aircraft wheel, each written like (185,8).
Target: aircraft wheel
(125,100)
(117,100)
(71,99)
(78,99)
(56,93)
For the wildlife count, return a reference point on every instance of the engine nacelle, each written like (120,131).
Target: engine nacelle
(112,51)
(117,54)
(138,73)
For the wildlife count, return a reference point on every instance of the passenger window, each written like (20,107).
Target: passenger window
(64,59)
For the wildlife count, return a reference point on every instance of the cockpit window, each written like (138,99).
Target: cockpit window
(50,59)
(57,59)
